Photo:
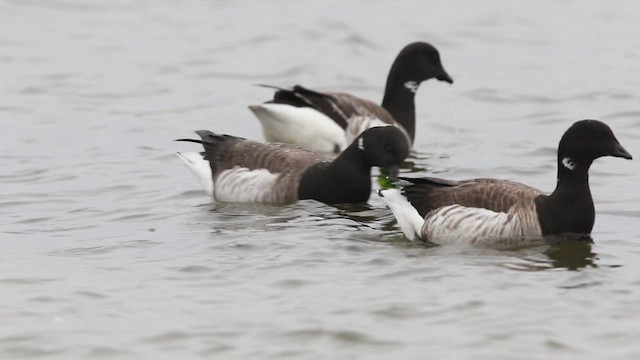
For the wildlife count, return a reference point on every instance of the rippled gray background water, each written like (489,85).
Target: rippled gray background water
(109,249)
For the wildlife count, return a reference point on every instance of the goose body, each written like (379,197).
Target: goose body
(471,223)
(234,169)
(492,211)
(331,120)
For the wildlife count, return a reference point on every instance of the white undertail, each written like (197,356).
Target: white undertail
(200,168)
(406,215)
(300,126)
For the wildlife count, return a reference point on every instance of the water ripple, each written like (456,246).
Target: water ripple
(105,234)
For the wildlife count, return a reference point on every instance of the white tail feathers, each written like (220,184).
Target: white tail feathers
(200,168)
(408,218)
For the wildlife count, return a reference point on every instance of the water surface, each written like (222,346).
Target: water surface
(111,250)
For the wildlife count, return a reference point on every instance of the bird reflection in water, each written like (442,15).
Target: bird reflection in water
(571,252)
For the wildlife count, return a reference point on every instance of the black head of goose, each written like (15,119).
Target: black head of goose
(328,122)
(233,169)
(491,211)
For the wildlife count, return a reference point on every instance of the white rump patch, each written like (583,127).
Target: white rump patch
(300,126)
(457,224)
(412,86)
(408,218)
(240,184)
(568,163)
(200,168)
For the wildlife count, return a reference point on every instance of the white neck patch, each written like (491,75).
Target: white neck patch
(361,143)
(568,163)
(412,86)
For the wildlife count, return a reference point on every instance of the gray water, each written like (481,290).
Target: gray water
(110,249)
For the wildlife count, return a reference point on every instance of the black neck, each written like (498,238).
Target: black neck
(347,179)
(399,102)
(569,209)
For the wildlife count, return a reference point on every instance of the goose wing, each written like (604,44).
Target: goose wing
(427,194)
(226,152)
(340,107)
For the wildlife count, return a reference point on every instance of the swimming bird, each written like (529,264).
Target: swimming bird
(328,122)
(492,211)
(234,169)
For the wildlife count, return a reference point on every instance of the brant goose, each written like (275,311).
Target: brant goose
(328,122)
(234,169)
(501,212)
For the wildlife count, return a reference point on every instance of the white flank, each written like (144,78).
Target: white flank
(200,168)
(300,126)
(456,224)
(357,124)
(407,216)
(568,163)
(240,184)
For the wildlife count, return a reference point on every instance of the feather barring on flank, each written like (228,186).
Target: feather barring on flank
(502,212)
(233,169)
